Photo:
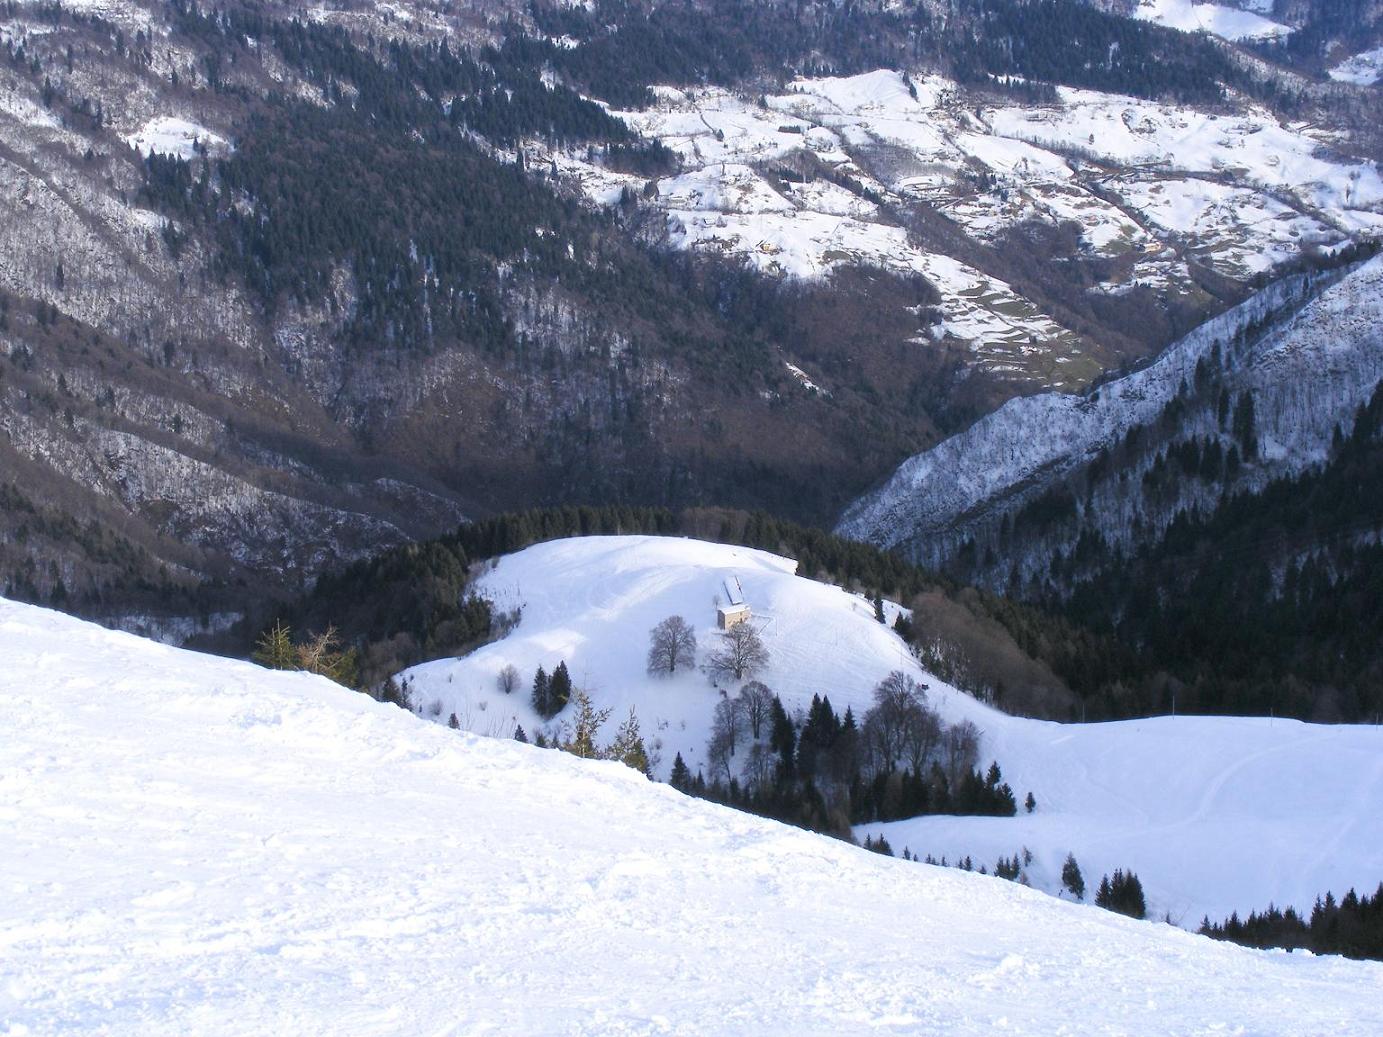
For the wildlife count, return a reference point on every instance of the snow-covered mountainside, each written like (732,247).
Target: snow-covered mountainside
(199,846)
(1309,349)
(1214,814)
(252,356)
(1364,69)
(829,173)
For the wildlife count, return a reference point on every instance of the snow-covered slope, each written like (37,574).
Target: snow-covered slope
(1215,814)
(1308,372)
(198,846)
(825,173)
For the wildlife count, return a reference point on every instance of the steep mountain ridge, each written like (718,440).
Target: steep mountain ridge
(1307,352)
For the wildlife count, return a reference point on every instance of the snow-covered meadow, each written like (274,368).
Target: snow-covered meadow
(198,846)
(1214,814)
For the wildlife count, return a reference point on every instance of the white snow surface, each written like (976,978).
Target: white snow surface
(1215,815)
(1227,22)
(1308,374)
(198,846)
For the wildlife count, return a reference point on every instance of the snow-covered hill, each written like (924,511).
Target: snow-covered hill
(1363,69)
(199,846)
(592,601)
(1214,814)
(1319,358)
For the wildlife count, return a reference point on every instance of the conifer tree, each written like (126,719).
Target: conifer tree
(628,745)
(559,688)
(519,736)
(584,729)
(275,649)
(783,740)
(681,778)
(1071,878)
(542,694)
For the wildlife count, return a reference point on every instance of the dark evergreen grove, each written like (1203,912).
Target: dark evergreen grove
(1122,893)
(1271,602)
(387,186)
(828,772)
(1351,925)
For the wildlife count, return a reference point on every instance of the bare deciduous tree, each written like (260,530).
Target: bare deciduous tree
(921,739)
(671,643)
(896,700)
(508,679)
(760,765)
(961,747)
(729,721)
(741,653)
(757,702)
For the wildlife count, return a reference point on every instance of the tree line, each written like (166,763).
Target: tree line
(1351,926)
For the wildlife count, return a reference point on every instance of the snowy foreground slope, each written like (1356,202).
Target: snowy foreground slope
(1214,814)
(197,846)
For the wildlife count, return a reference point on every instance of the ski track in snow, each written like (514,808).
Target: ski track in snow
(198,846)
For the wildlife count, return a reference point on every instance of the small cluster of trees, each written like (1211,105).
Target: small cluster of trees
(317,653)
(581,737)
(739,652)
(827,772)
(551,693)
(1011,868)
(1122,893)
